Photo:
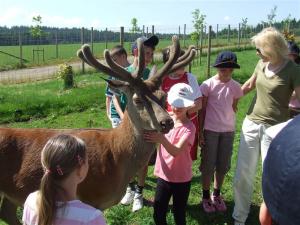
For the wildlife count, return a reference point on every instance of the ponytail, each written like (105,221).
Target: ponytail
(47,200)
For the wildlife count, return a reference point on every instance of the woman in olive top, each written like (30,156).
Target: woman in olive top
(275,78)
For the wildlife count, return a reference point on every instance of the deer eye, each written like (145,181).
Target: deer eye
(137,100)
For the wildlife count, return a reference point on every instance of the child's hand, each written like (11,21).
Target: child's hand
(201,140)
(153,136)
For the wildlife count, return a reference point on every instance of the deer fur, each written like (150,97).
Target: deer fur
(115,155)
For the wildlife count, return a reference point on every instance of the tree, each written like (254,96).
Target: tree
(198,23)
(272,15)
(244,26)
(134,27)
(36,31)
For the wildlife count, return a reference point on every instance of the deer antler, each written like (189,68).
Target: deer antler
(186,54)
(183,62)
(86,55)
(138,73)
(174,54)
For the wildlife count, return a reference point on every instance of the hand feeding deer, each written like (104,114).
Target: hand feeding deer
(115,155)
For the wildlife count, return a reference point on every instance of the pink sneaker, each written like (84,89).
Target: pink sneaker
(208,206)
(219,203)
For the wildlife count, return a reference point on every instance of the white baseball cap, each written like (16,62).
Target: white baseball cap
(181,95)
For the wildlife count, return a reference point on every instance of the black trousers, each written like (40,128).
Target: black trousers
(164,191)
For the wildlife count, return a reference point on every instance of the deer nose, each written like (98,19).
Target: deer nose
(166,125)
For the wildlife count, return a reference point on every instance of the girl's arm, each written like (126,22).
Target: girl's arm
(234,104)
(116,101)
(297,92)
(201,120)
(196,106)
(249,85)
(172,149)
(107,103)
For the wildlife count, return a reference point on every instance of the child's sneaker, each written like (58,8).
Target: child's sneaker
(219,203)
(208,206)
(137,202)
(128,197)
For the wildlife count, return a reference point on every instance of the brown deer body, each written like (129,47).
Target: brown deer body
(115,155)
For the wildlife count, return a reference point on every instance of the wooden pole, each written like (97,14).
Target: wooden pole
(143,30)
(106,37)
(228,34)
(122,36)
(217,33)
(184,34)
(201,44)
(239,35)
(92,39)
(21,49)
(208,52)
(82,42)
(152,29)
(56,43)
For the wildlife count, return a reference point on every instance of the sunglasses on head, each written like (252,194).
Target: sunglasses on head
(258,50)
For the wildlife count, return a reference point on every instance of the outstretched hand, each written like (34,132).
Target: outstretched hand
(153,136)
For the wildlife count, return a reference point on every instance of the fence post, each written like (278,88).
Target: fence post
(152,29)
(179,32)
(56,44)
(184,34)
(121,36)
(82,42)
(217,33)
(239,35)
(147,32)
(228,34)
(21,50)
(143,30)
(208,52)
(92,39)
(105,38)
(201,44)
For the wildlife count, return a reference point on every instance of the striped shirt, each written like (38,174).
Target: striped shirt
(75,212)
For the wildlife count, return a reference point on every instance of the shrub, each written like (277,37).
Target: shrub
(66,73)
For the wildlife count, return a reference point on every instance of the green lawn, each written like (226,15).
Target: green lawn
(45,104)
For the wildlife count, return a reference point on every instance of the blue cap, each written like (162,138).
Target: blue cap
(281,175)
(226,59)
(293,48)
(149,42)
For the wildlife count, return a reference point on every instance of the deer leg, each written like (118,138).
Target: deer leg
(8,212)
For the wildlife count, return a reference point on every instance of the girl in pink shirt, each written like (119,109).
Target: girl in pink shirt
(65,164)
(220,97)
(173,165)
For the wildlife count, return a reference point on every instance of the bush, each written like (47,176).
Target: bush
(67,74)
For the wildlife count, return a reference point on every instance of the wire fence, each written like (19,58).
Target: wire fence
(19,49)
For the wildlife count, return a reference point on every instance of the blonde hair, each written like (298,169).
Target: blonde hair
(61,155)
(271,44)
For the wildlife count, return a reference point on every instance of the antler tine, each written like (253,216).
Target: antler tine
(184,62)
(138,73)
(81,56)
(97,65)
(186,54)
(117,68)
(174,54)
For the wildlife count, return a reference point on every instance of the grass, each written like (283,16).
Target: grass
(85,107)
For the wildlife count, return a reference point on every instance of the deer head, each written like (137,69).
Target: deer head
(145,101)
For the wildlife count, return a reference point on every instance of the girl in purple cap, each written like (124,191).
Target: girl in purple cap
(220,97)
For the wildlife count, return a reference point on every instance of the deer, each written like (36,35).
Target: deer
(115,155)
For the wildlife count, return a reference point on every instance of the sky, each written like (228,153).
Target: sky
(167,14)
